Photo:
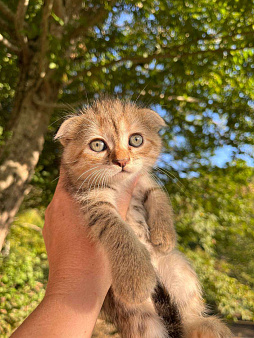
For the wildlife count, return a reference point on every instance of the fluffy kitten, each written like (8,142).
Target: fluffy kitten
(154,293)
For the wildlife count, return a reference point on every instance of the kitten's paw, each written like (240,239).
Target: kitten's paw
(162,239)
(134,282)
(210,327)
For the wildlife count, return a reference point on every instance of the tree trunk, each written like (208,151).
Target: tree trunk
(21,152)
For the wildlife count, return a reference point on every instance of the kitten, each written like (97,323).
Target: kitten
(154,293)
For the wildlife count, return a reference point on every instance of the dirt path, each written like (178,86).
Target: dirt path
(243,329)
(240,330)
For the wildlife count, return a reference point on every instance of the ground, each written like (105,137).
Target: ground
(240,330)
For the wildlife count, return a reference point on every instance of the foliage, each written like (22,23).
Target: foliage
(224,294)
(193,62)
(215,223)
(23,273)
(193,58)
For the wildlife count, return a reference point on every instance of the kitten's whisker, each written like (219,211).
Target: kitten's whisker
(93,184)
(55,179)
(154,180)
(98,179)
(103,178)
(86,97)
(159,182)
(107,175)
(87,172)
(62,117)
(141,92)
(91,174)
(172,177)
(71,162)
(88,184)
(97,182)
(93,178)
(104,182)
(169,174)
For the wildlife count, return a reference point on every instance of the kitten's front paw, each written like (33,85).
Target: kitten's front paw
(135,279)
(163,239)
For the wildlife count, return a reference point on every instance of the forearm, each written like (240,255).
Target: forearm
(79,278)
(78,283)
(66,314)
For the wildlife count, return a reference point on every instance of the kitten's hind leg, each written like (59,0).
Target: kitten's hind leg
(133,321)
(183,286)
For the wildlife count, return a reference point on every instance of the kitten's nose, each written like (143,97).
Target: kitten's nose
(122,163)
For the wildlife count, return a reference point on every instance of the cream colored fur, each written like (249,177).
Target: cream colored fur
(140,249)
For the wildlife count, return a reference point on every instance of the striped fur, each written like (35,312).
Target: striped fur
(140,248)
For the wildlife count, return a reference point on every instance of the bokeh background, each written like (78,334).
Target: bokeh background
(193,62)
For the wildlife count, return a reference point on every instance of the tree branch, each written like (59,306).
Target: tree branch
(19,26)
(62,106)
(156,56)
(94,17)
(30,226)
(48,5)
(59,9)
(189,99)
(6,27)
(5,10)
(73,7)
(9,45)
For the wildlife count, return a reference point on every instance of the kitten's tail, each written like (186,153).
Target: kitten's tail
(167,310)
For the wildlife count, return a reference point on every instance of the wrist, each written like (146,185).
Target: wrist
(76,274)
(80,282)
(62,315)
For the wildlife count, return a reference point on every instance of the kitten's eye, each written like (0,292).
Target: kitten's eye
(98,145)
(136,140)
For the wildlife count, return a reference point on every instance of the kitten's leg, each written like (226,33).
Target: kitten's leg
(133,276)
(160,219)
(183,286)
(140,321)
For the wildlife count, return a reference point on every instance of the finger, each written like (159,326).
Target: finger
(60,188)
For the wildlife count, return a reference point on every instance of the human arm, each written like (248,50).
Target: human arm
(79,275)
(79,272)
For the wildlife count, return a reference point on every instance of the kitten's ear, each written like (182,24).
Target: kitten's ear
(155,119)
(66,131)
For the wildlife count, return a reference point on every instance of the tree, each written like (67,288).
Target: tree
(215,224)
(193,58)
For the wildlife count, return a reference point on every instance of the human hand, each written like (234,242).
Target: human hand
(71,254)
(79,273)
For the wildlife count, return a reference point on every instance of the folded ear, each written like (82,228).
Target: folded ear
(154,119)
(66,132)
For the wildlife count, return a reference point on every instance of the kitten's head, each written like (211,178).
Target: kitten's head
(110,141)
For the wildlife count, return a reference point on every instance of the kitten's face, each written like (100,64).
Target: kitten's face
(110,142)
